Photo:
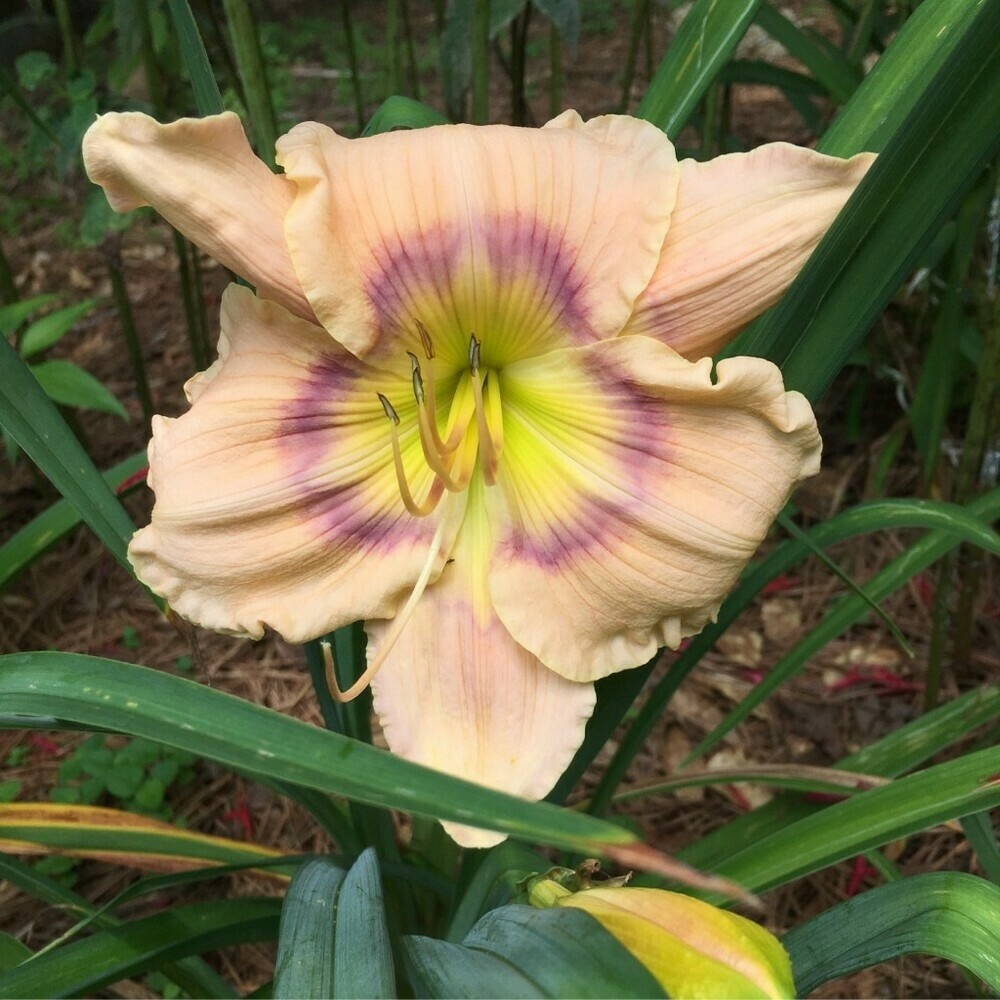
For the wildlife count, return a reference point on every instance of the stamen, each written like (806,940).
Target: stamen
(395,630)
(425,340)
(436,490)
(426,399)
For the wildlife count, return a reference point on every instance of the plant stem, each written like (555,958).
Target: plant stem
(392,46)
(984,418)
(189,294)
(411,54)
(154,78)
(8,290)
(518,40)
(481,63)
(66,32)
(556,77)
(639,22)
(113,257)
(352,62)
(253,77)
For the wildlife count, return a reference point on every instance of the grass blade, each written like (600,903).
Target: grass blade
(35,423)
(848,611)
(37,536)
(141,946)
(868,820)
(927,165)
(90,691)
(207,98)
(706,39)
(949,914)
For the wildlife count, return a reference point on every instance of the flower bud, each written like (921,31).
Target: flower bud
(691,948)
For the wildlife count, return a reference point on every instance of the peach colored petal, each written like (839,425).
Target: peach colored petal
(529,238)
(458,694)
(743,227)
(276,500)
(632,492)
(202,177)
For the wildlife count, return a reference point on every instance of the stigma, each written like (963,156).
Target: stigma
(472,439)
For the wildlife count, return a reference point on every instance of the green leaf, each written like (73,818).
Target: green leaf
(14,314)
(949,914)
(304,966)
(904,807)
(876,516)
(141,946)
(846,612)
(522,951)
(706,39)
(565,15)
(898,82)
(34,422)
(206,91)
(48,330)
(192,974)
(893,755)
(94,692)
(928,164)
(12,952)
(493,884)
(402,112)
(362,955)
(69,385)
(827,65)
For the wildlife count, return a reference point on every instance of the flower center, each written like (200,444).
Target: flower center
(473,433)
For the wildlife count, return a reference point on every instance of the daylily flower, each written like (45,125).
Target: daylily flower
(692,949)
(472,404)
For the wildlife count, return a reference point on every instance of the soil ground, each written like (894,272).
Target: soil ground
(76,598)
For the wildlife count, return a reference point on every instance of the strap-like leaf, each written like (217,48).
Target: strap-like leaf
(34,422)
(304,966)
(90,691)
(949,914)
(706,39)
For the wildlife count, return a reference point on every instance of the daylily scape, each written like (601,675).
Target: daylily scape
(472,404)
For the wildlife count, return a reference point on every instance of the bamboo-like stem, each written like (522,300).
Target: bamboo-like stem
(710,121)
(201,313)
(411,53)
(253,77)
(556,72)
(984,422)
(481,63)
(154,78)
(392,46)
(648,32)
(8,290)
(119,291)
(518,42)
(65,21)
(352,62)
(639,22)
(199,353)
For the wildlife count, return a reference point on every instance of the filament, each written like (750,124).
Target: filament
(436,489)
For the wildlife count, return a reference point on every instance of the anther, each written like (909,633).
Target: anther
(390,410)
(474,346)
(418,380)
(436,490)
(425,340)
